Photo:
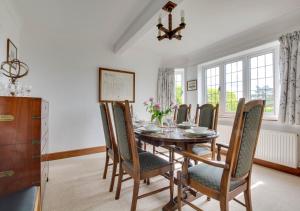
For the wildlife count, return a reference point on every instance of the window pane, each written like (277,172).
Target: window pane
(212,80)
(262,80)
(233,84)
(179,86)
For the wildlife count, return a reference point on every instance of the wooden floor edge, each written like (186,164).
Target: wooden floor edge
(73,153)
(276,166)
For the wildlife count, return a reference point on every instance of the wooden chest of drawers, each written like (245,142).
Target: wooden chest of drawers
(23,141)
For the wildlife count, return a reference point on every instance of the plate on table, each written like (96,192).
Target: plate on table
(150,130)
(185,125)
(199,132)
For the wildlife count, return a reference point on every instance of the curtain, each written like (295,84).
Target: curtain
(289,109)
(166,87)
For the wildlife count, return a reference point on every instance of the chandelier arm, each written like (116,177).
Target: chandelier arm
(178,37)
(162,28)
(162,37)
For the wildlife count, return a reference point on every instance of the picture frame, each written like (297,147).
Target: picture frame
(12,51)
(191,85)
(116,85)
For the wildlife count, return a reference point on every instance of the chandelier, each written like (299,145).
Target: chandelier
(170,33)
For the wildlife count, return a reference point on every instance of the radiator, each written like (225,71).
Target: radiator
(274,146)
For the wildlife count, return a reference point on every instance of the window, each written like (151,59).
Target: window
(233,84)
(179,86)
(262,80)
(251,75)
(212,85)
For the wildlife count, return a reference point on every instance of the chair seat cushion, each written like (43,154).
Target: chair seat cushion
(201,150)
(149,162)
(210,176)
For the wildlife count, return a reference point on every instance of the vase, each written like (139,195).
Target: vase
(159,121)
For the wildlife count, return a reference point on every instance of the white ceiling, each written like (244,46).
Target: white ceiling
(102,20)
(208,21)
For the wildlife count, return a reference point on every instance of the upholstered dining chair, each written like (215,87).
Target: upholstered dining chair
(223,181)
(181,113)
(139,166)
(110,141)
(206,116)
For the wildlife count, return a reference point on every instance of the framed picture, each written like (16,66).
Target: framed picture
(12,51)
(116,85)
(191,85)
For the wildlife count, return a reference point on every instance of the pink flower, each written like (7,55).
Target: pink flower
(151,99)
(175,106)
(157,106)
(145,103)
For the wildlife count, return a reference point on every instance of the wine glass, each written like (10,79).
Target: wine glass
(169,120)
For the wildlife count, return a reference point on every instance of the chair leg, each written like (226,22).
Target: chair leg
(112,182)
(213,149)
(179,194)
(224,205)
(247,196)
(148,181)
(135,193)
(119,181)
(105,166)
(219,154)
(153,149)
(145,146)
(171,185)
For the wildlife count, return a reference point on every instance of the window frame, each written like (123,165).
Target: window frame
(246,60)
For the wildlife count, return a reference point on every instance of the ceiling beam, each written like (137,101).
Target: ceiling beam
(144,21)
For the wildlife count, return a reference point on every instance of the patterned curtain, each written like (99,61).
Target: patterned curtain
(289,110)
(166,87)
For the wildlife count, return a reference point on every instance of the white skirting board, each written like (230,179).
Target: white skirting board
(274,146)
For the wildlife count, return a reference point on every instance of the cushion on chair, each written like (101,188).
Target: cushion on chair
(148,162)
(206,116)
(182,114)
(248,141)
(201,150)
(210,176)
(105,126)
(120,125)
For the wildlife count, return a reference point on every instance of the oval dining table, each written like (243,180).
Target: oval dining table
(175,140)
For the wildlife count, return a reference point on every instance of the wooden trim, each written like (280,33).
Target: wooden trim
(279,167)
(271,165)
(73,153)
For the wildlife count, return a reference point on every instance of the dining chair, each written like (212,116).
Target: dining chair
(139,166)
(224,180)
(182,113)
(206,116)
(110,141)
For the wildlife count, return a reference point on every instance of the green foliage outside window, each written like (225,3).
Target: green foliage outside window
(179,94)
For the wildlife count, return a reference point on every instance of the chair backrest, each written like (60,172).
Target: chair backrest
(181,113)
(107,127)
(125,134)
(244,137)
(207,116)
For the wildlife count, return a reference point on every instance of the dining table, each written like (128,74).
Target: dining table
(175,139)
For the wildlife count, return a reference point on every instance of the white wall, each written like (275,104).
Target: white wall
(64,70)
(9,28)
(191,96)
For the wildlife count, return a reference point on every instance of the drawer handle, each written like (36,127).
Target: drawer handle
(34,142)
(8,173)
(6,118)
(36,117)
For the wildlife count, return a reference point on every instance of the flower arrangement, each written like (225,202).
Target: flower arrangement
(156,111)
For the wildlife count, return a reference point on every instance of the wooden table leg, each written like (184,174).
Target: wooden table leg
(189,194)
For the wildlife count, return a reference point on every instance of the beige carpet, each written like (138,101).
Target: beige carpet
(77,184)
